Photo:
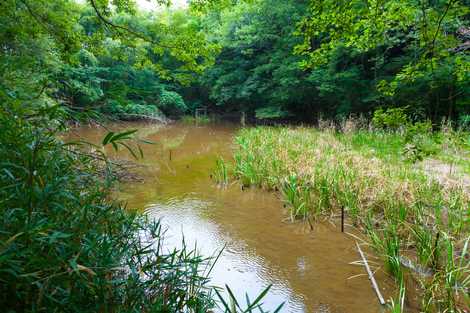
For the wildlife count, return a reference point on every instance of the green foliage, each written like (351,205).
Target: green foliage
(130,110)
(172,103)
(88,56)
(66,247)
(270,112)
(420,141)
(392,118)
(464,121)
(356,56)
(412,53)
(256,71)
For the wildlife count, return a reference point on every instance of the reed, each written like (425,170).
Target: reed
(297,195)
(221,172)
(400,205)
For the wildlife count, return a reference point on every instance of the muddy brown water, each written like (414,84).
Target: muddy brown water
(309,269)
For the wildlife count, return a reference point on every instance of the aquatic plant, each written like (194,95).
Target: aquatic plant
(297,195)
(230,304)
(221,172)
(401,208)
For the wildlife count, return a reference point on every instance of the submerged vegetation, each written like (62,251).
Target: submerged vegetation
(412,218)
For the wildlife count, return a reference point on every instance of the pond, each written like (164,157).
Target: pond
(309,268)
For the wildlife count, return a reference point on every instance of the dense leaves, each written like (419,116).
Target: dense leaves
(100,56)
(336,58)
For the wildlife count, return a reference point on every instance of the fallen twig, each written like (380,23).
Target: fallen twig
(371,275)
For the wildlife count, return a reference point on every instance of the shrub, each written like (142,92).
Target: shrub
(420,141)
(418,129)
(130,109)
(271,112)
(392,118)
(464,121)
(171,103)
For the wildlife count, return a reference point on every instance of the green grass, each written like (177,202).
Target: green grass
(221,172)
(402,209)
(380,144)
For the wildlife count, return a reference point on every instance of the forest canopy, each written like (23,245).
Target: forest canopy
(295,60)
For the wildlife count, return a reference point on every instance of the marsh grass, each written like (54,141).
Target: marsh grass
(402,209)
(297,194)
(221,172)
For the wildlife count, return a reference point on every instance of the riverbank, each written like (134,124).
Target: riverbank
(414,213)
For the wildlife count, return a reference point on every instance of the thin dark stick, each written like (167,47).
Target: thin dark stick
(342,219)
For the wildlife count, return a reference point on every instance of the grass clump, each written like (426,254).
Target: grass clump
(221,172)
(409,216)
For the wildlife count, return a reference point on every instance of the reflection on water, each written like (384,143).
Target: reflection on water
(237,266)
(309,270)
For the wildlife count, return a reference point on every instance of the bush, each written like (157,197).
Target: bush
(420,141)
(464,121)
(392,118)
(171,103)
(418,129)
(66,248)
(271,112)
(129,109)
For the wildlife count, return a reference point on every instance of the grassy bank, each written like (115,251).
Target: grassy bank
(392,185)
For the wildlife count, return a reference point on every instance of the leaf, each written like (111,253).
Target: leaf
(260,297)
(107,138)
(124,135)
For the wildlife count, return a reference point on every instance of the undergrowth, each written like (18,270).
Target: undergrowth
(406,213)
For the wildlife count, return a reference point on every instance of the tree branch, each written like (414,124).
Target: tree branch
(123,28)
(441,19)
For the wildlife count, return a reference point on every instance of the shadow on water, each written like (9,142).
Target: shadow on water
(309,269)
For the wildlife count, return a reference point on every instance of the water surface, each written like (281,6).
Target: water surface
(309,269)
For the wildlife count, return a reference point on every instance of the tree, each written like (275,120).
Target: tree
(413,45)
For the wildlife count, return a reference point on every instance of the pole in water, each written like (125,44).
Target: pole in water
(342,219)
(170,154)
